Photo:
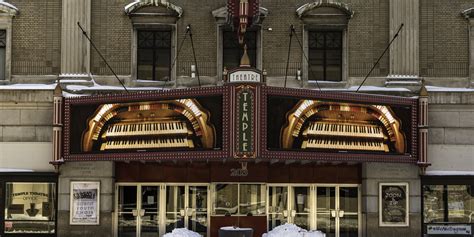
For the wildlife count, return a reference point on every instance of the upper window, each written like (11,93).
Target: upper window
(233,51)
(3,44)
(325,55)
(154,55)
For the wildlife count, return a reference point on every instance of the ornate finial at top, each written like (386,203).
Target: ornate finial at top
(423,91)
(245,60)
(58,91)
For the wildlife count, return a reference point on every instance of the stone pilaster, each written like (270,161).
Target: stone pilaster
(471,52)
(75,48)
(404,51)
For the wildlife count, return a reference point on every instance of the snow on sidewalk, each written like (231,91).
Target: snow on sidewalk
(292,230)
(182,232)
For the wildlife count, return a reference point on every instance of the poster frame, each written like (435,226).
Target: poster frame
(406,223)
(72,204)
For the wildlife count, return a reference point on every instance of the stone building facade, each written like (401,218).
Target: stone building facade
(43,45)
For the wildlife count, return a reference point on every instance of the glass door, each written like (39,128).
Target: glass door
(149,211)
(326,210)
(337,210)
(127,211)
(138,210)
(348,211)
(197,209)
(175,207)
(277,206)
(300,206)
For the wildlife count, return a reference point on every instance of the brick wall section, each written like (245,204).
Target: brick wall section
(368,37)
(443,37)
(198,14)
(111,31)
(36,37)
(444,45)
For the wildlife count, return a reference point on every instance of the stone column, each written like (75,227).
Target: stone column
(469,15)
(75,48)
(404,51)
(471,50)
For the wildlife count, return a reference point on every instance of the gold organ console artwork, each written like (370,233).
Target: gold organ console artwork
(180,123)
(314,124)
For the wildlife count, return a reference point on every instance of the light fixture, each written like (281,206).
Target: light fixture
(193,71)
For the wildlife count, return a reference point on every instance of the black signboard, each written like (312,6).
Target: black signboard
(393,204)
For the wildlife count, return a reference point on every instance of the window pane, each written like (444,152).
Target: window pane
(433,210)
(226,199)
(325,55)
(145,64)
(154,55)
(30,208)
(460,201)
(252,199)
(316,62)
(333,64)
(145,39)
(162,64)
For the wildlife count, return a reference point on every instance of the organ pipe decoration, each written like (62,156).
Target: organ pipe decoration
(57,127)
(423,130)
(180,123)
(314,124)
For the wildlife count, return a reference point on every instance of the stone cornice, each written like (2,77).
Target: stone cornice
(8,8)
(137,4)
(302,10)
(468,13)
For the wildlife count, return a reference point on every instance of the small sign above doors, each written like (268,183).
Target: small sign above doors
(244,75)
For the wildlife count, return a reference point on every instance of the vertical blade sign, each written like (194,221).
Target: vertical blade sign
(245,131)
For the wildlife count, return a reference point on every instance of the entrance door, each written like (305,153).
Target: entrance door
(289,204)
(300,206)
(138,211)
(277,206)
(127,211)
(197,209)
(337,210)
(187,207)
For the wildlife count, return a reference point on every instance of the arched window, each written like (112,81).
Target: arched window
(325,40)
(154,39)
(7,12)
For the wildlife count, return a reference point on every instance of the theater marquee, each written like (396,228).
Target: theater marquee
(242,120)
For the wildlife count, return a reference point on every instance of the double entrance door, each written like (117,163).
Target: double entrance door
(333,209)
(145,210)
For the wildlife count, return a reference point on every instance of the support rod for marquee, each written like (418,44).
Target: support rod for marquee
(188,28)
(305,57)
(194,54)
(288,57)
(98,52)
(378,60)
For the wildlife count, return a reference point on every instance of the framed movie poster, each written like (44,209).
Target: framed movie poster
(85,203)
(393,204)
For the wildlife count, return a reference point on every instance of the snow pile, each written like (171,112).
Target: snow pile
(182,232)
(292,230)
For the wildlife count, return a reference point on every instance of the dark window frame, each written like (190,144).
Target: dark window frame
(325,47)
(444,181)
(157,45)
(27,177)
